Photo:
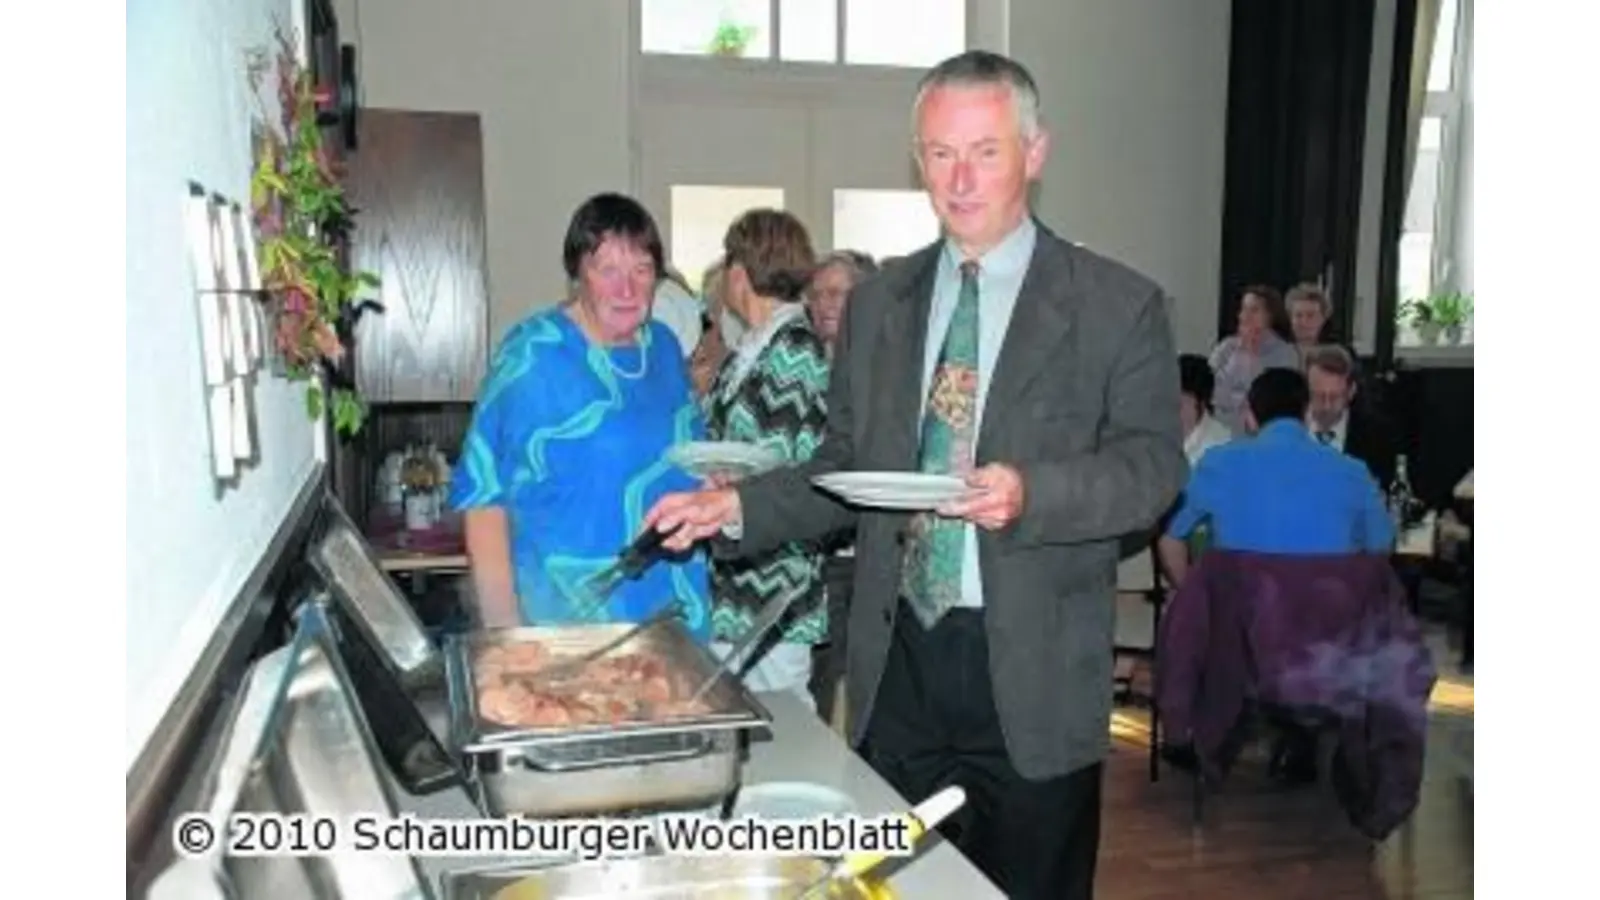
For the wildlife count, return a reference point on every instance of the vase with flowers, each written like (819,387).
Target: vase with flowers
(301,216)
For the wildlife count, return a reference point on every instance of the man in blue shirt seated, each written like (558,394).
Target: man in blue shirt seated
(1279,491)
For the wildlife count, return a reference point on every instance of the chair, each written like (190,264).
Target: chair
(1141,594)
(1252,626)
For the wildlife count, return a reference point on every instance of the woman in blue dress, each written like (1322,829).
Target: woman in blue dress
(565,451)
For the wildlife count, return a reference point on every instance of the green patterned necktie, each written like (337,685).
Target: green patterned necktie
(931,572)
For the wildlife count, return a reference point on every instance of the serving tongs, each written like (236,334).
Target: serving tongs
(769,616)
(631,563)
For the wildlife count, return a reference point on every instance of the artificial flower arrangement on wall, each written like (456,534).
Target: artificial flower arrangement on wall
(300,216)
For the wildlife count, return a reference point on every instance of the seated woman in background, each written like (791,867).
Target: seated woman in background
(1310,309)
(1201,430)
(1257,345)
(564,452)
(836,276)
(771,391)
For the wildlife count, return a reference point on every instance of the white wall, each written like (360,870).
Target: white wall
(1136,90)
(550,81)
(1135,93)
(189,550)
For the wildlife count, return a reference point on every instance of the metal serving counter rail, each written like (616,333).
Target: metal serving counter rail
(297,743)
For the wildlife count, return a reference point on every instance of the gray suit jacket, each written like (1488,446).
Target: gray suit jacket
(1084,403)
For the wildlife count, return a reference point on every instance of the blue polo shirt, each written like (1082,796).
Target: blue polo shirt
(1282,491)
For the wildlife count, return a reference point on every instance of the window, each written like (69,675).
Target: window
(903,32)
(736,28)
(1435,242)
(900,33)
(883,223)
(700,216)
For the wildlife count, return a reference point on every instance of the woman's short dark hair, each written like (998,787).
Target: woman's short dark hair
(1196,378)
(610,215)
(1277,312)
(775,250)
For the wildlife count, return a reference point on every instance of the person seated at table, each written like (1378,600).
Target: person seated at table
(564,451)
(1257,345)
(1343,424)
(771,391)
(1201,429)
(1279,491)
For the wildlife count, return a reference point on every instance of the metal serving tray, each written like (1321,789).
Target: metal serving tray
(346,563)
(730,704)
(614,769)
(297,744)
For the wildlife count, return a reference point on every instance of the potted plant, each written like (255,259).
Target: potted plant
(731,39)
(1452,312)
(1418,313)
(299,210)
(1439,315)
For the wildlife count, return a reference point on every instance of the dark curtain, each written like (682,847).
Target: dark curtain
(1397,162)
(1297,107)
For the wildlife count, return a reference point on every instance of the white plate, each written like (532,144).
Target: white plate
(704,458)
(791,800)
(893,490)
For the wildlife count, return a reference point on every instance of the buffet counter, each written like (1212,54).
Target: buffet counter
(352,710)
(800,748)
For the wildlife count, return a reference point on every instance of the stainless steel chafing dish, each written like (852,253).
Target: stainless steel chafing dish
(297,743)
(656,878)
(347,565)
(621,768)
(397,670)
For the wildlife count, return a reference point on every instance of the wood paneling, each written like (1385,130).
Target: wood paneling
(416,181)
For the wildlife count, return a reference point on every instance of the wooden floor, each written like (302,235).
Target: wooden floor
(1260,840)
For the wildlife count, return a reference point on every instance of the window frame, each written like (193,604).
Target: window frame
(1447,106)
(978,15)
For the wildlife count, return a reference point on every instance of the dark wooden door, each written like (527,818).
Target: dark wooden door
(416,180)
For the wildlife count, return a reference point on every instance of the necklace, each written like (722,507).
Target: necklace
(601,350)
(644,362)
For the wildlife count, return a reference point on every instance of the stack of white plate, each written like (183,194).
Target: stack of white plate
(726,458)
(893,490)
(791,800)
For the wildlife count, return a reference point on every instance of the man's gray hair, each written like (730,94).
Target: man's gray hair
(977,68)
(1331,358)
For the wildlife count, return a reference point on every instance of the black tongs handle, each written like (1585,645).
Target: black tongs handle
(644,551)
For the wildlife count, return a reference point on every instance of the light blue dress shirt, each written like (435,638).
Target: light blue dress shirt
(1000,274)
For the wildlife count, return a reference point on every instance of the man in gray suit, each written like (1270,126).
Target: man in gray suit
(980,635)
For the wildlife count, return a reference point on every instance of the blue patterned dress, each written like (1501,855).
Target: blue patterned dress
(569,437)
